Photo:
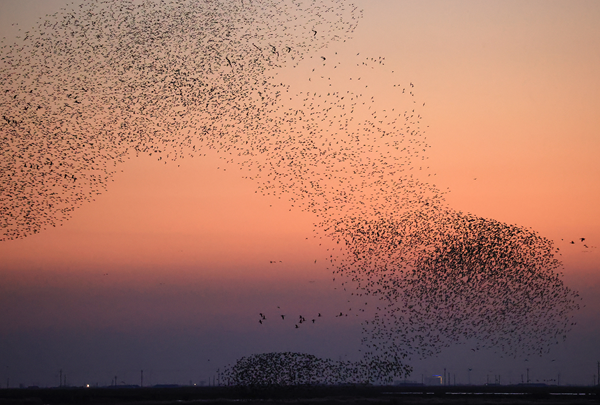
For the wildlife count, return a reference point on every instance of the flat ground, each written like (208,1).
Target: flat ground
(348,395)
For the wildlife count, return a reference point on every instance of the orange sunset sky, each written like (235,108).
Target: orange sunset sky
(168,269)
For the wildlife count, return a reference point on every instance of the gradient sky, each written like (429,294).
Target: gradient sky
(168,270)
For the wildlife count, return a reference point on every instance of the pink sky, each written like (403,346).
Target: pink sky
(511,95)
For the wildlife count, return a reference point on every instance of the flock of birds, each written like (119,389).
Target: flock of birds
(290,368)
(452,278)
(299,321)
(177,79)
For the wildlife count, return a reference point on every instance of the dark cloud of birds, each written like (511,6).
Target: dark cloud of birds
(289,368)
(452,278)
(176,79)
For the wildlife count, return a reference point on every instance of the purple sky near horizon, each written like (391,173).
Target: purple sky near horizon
(168,270)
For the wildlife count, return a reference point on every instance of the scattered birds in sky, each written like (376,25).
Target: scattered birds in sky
(92,83)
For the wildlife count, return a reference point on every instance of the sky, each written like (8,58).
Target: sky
(168,269)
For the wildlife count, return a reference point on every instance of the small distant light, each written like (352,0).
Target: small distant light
(87,386)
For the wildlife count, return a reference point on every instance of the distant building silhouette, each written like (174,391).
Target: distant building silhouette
(433,380)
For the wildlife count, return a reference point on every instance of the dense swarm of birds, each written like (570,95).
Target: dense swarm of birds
(290,369)
(175,79)
(452,278)
(171,79)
